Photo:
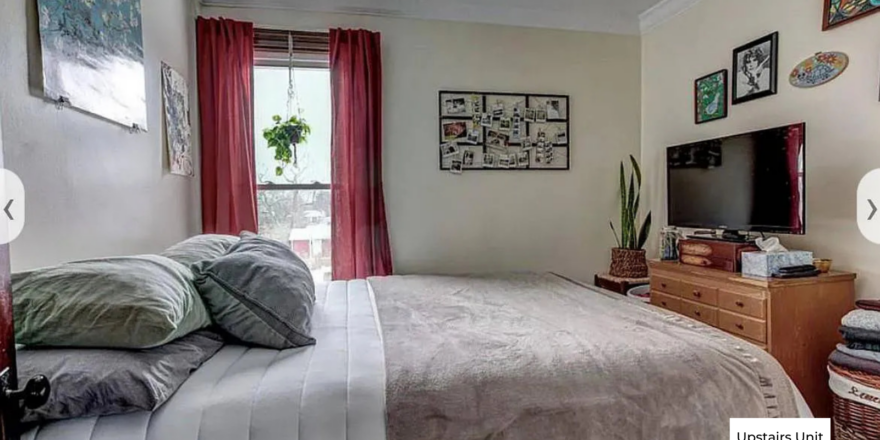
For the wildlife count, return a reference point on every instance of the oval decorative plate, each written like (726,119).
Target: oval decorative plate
(819,69)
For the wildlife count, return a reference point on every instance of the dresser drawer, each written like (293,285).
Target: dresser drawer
(700,312)
(698,293)
(753,305)
(667,302)
(665,285)
(754,329)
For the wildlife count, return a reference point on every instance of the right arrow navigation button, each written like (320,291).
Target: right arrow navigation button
(867,204)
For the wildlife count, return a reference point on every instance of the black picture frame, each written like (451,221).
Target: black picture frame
(528,126)
(772,61)
(726,93)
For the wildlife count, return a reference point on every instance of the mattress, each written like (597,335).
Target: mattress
(332,390)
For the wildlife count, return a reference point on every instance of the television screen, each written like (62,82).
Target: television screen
(748,182)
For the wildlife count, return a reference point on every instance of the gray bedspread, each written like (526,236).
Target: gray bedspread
(533,356)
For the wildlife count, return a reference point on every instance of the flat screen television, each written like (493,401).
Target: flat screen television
(748,182)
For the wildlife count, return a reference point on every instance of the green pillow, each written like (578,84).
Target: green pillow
(126,302)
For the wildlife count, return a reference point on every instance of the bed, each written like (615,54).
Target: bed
(429,357)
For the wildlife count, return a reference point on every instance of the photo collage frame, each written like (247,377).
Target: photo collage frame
(504,131)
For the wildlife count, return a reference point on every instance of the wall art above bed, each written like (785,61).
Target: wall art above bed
(503,131)
(93,58)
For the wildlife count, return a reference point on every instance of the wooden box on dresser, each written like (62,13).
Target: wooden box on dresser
(795,320)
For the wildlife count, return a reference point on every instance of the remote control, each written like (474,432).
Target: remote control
(796,269)
(812,273)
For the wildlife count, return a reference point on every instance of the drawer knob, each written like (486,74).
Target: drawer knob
(663,285)
(698,314)
(740,304)
(663,302)
(740,326)
(697,293)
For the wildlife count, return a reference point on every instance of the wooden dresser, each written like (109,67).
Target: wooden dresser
(794,320)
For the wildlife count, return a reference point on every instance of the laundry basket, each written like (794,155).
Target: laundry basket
(641,293)
(854,420)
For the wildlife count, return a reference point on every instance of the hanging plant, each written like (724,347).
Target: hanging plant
(284,136)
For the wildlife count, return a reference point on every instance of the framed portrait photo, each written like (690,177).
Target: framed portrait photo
(710,97)
(756,69)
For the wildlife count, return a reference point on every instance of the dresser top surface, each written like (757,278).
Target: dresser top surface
(720,275)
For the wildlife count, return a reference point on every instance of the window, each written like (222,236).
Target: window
(295,208)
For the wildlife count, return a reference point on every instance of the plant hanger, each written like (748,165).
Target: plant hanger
(286,133)
(292,98)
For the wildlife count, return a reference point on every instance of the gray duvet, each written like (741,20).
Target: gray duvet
(538,357)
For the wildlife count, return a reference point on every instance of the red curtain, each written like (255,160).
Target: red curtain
(794,142)
(229,186)
(360,231)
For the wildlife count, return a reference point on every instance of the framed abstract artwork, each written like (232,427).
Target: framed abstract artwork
(710,97)
(756,69)
(840,12)
(175,95)
(93,58)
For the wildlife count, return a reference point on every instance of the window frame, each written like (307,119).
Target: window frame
(300,61)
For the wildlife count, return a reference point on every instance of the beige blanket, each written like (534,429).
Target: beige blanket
(531,356)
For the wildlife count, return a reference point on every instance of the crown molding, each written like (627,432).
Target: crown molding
(662,12)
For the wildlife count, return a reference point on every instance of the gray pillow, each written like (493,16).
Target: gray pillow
(198,248)
(260,292)
(99,382)
(123,302)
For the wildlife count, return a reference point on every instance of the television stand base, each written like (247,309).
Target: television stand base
(727,236)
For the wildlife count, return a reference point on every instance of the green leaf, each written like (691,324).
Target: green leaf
(615,233)
(646,230)
(622,205)
(636,169)
(279,171)
(631,214)
(276,119)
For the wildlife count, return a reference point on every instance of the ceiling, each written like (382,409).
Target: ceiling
(613,16)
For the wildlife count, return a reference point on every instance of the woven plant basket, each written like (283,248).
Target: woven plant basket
(628,263)
(853,420)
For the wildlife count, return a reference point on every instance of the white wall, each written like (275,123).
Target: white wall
(842,117)
(92,188)
(493,221)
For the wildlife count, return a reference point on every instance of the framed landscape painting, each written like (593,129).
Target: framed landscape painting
(840,12)
(710,97)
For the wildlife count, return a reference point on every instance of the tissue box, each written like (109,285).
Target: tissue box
(765,264)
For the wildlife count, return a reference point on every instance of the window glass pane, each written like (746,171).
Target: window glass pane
(300,218)
(270,98)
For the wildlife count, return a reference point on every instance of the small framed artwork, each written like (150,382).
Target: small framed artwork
(756,69)
(710,97)
(840,12)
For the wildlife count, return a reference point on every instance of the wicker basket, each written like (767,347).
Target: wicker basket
(853,420)
(628,263)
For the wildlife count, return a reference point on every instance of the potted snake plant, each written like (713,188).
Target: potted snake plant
(628,258)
